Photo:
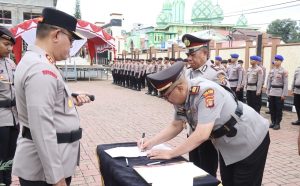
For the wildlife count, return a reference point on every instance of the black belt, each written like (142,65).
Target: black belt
(68,137)
(276,86)
(233,79)
(251,84)
(7,103)
(228,128)
(297,86)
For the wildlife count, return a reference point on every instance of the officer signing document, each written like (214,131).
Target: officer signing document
(48,149)
(214,113)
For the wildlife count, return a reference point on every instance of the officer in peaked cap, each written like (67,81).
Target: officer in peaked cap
(277,90)
(48,149)
(197,51)
(172,60)
(211,112)
(9,126)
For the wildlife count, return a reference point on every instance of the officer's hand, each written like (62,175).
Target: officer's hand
(160,154)
(238,89)
(62,182)
(282,98)
(257,93)
(144,144)
(81,99)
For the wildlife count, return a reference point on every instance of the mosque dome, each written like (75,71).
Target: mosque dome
(163,18)
(167,5)
(217,14)
(242,21)
(202,10)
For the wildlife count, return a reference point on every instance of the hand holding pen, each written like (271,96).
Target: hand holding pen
(144,144)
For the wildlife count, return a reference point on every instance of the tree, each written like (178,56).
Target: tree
(77,10)
(287,29)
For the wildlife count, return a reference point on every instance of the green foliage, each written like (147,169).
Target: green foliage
(5,165)
(77,10)
(287,29)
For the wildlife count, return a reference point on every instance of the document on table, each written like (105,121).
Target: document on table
(175,174)
(131,152)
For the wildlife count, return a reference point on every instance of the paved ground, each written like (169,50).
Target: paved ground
(121,115)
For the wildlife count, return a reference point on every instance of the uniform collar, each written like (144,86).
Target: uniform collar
(201,67)
(42,52)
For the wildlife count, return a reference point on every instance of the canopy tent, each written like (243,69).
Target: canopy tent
(95,36)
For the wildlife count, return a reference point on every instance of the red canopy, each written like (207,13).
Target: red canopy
(96,37)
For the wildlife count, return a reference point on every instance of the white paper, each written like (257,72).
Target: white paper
(134,151)
(177,174)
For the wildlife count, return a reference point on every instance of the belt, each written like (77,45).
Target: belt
(297,86)
(277,86)
(252,84)
(228,128)
(68,137)
(233,79)
(7,103)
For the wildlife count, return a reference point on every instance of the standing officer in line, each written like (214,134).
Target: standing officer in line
(239,133)
(154,70)
(137,75)
(166,63)
(296,92)
(204,156)
(112,68)
(143,77)
(48,149)
(235,75)
(125,73)
(172,61)
(9,126)
(264,79)
(253,83)
(277,90)
(218,64)
(149,71)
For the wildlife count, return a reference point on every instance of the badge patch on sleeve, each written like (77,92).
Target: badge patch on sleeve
(195,90)
(209,98)
(181,111)
(48,72)
(222,79)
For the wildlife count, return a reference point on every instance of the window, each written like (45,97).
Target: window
(30,15)
(5,17)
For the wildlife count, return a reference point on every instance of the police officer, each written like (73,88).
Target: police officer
(154,70)
(239,133)
(277,90)
(296,91)
(137,75)
(263,83)
(48,149)
(9,127)
(235,75)
(166,63)
(205,156)
(218,64)
(253,84)
(172,61)
(143,77)
(112,68)
(149,71)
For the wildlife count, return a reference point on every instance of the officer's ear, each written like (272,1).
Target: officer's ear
(54,35)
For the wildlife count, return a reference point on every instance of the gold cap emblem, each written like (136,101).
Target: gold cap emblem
(187,42)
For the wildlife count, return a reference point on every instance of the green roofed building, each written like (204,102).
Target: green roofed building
(170,25)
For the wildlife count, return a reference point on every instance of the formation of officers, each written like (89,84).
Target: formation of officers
(131,73)
(246,84)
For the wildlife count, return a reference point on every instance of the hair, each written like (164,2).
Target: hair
(240,61)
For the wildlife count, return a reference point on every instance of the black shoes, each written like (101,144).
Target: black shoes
(296,122)
(276,127)
(272,125)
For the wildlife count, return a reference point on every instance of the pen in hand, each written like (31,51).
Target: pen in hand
(127,164)
(142,143)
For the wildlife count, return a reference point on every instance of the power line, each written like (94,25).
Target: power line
(262,10)
(288,2)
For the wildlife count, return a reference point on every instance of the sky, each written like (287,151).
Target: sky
(146,11)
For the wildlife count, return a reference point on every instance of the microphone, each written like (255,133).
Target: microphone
(92,97)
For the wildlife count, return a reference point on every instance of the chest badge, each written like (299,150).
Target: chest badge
(70,103)
(195,90)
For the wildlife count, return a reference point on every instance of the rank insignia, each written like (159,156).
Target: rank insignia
(50,59)
(181,111)
(70,103)
(209,98)
(195,90)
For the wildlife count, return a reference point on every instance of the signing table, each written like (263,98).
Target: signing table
(115,172)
